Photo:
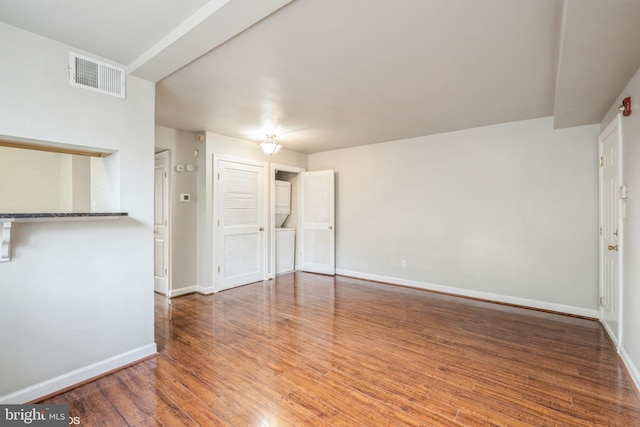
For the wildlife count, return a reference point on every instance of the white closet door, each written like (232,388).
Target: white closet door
(317,221)
(240,198)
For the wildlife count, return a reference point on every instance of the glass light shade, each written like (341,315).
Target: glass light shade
(270,146)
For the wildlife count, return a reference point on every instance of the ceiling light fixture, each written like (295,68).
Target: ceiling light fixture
(270,146)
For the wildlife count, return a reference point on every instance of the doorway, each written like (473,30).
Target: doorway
(161,224)
(283,235)
(312,216)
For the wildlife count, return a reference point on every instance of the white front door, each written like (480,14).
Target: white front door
(161,224)
(317,222)
(240,220)
(610,231)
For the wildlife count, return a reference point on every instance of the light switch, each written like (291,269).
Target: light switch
(185,197)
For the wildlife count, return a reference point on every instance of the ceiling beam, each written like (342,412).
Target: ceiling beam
(215,23)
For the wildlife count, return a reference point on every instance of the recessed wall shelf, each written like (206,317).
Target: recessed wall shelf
(6,221)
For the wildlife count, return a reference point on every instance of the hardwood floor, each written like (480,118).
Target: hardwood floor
(318,350)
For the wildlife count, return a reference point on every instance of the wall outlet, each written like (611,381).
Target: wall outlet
(403,264)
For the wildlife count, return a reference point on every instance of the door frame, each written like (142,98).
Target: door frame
(167,153)
(216,214)
(614,126)
(275,168)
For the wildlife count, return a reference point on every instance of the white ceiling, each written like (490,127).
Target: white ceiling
(324,74)
(118,30)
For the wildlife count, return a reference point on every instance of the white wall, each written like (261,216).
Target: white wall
(184,215)
(631,176)
(105,183)
(506,212)
(233,147)
(77,297)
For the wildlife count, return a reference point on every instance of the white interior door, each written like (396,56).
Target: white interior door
(240,221)
(610,231)
(161,224)
(317,220)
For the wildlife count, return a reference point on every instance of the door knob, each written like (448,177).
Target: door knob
(613,247)
(261,229)
(331,227)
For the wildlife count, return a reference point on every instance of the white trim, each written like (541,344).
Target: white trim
(206,290)
(543,305)
(621,217)
(633,370)
(612,336)
(191,289)
(183,291)
(165,156)
(77,376)
(600,236)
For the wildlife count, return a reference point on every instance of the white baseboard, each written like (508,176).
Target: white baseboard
(183,291)
(205,290)
(542,305)
(633,370)
(190,290)
(612,336)
(69,379)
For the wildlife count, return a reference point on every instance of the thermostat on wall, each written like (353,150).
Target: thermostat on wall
(184,197)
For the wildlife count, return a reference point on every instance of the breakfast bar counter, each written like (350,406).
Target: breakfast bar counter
(7,219)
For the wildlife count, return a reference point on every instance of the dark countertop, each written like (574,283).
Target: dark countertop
(45,215)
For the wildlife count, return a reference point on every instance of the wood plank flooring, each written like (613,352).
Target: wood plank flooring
(323,351)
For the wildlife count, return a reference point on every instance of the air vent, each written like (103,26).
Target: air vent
(96,75)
